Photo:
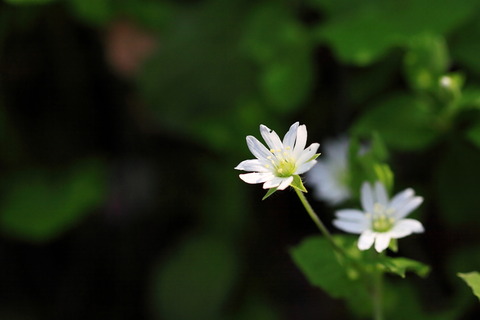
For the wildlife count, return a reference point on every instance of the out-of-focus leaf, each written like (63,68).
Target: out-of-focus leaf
(456,182)
(281,46)
(400,266)
(38,206)
(96,12)
(404,122)
(473,281)
(464,46)
(425,61)
(194,83)
(368,164)
(364,35)
(318,262)
(196,280)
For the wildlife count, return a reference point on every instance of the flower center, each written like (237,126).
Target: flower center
(382,220)
(285,168)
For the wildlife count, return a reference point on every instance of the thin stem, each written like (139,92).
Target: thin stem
(318,222)
(377,296)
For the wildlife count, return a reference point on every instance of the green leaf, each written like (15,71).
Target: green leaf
(318,262)
(281,47)
(425,61)
(464,45)
(404,122)
(269,193)
(39,206)
(400,266)
(298,184)
(384,174)
(363,34)
(95,12)
(195,281)
(473,281)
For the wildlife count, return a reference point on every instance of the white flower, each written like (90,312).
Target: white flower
(382,219)
(276,166)
(329,178)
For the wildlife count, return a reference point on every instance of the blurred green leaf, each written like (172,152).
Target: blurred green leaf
(425,61)
(194,84)
(281,46)
(473,281)
(404,122)
(196,280)
(316,259)
(362,36)
(96,12)
(400,266)
(39,206)
(464,46)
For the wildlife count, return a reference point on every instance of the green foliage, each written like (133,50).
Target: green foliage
(363,34)
(318,262)
(348,277)
(369,165)
(400,266)
(269,193)
(473,281)
(425,61)
(403,121)
(298,184)
(196,280)
(96,12)
(281,47)
(38,206)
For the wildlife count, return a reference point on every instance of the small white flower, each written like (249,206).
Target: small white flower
(382,219)
(276,166)
(329,178)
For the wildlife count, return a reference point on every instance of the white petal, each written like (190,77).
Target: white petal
(271,138)
(406,227)
(253,178)
(301,141)
(285,183)
(257,148)
(290,136)
(400,198)
(366,239)
(252,165)
(349,226)
(381,194)
(382,240)
(408,207)
(367,197)
(351,215)
(308,153)
(272,183)
(305,167)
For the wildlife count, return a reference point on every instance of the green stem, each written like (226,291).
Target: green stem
(318,222)
(377,296)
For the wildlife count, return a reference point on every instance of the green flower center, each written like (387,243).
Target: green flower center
(382,219)
(285,168)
